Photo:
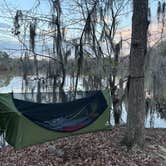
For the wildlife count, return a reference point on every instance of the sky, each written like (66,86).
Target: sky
(8,41)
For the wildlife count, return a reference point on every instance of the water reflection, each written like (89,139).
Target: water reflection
(31,90)
(153,118)
(155,115)
(47,97)
(5,79)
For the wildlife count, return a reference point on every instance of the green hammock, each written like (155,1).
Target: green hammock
(26,123)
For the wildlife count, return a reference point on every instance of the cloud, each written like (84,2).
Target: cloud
(8,44)
(4,25)
(156,32)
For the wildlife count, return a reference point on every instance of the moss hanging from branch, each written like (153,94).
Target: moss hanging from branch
(163,9)
(149,15)
(88,28)
(17,21)
(32,32)
(158,11)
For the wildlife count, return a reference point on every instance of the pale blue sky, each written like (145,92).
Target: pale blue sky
(6,38)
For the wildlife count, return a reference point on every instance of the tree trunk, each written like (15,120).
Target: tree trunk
(136,98)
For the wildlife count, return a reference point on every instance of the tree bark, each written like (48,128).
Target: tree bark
(136,98)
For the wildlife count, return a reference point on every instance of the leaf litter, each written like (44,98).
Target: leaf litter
(93,149)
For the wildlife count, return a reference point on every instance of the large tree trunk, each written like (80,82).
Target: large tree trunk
(136,98)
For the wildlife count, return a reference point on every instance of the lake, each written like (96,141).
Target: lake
(16,84)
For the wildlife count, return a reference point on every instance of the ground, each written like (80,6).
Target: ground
(95,149)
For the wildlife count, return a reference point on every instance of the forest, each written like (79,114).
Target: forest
(68,50)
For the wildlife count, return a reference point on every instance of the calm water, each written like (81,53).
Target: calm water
(152,120)
(17,85)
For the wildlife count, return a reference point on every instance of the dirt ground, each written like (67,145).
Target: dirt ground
(95,149)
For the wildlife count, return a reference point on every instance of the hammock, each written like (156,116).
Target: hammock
(27,123)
